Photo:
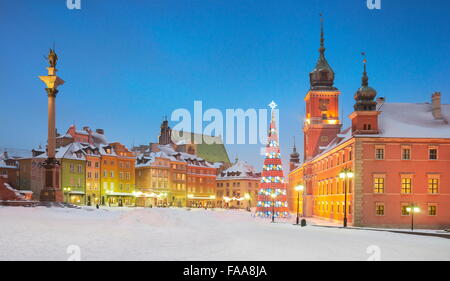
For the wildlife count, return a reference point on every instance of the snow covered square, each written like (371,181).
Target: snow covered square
(42,233)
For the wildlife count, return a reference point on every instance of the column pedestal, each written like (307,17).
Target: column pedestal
(51,191)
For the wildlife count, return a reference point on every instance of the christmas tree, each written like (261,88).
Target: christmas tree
(272,190)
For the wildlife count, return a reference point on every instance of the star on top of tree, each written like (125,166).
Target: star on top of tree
(272,105)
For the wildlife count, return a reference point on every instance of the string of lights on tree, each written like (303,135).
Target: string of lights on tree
(272,190)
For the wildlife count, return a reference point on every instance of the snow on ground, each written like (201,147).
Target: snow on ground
(42,233)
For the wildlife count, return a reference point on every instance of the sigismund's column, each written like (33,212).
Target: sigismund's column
(51,190)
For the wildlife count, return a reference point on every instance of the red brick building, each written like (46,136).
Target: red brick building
(398,155)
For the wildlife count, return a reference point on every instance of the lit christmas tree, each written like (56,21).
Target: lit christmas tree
(272,190)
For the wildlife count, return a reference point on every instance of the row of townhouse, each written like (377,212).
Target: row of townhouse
(165,177)
(92,171)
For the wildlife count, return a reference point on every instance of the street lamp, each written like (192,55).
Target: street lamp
(66,192)
(411,210)
(248,197)
(273,195)
(299,188)
(345,174)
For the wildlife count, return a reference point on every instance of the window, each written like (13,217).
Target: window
(432,153)
(379,153)
(406,153)
(433,185)
(404,210)
(379,209)
(378,183)
(432,209)
(406,185)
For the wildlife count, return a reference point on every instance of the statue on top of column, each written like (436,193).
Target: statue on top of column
(52,58)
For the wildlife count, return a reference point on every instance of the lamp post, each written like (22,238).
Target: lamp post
(273,195)
(345,174)
(248,197)
(299,188)
(411,210)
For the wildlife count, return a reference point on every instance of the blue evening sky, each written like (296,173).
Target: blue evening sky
(128,63)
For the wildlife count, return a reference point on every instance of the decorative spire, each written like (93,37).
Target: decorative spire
(365,95)
(322,40)
(294,149)
(322,76)
(365,78)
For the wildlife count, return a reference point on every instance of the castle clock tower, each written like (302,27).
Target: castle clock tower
(322,122)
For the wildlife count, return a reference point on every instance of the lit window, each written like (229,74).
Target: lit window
(378,185)
(405,210)
(406,185)
(379,209)
(432,210)
(433,185)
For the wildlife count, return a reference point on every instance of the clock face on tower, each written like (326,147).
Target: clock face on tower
(323,104)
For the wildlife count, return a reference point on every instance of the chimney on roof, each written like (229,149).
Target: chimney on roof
(380,100)
(100,131)
(5,154)
(436,106)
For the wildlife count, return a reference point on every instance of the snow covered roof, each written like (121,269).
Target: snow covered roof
(99,138)
(402,120)
(15,152)
(190,159)
(65,136)
(72,151)
(412,120)
(150,160)
(4,165)
(240,170)
(107,150)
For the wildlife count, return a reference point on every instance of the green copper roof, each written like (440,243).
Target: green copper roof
(213,152)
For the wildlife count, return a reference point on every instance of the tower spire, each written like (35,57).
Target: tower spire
(322,39)
(322,76)
(365,78)
(294,149)
(365,95)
